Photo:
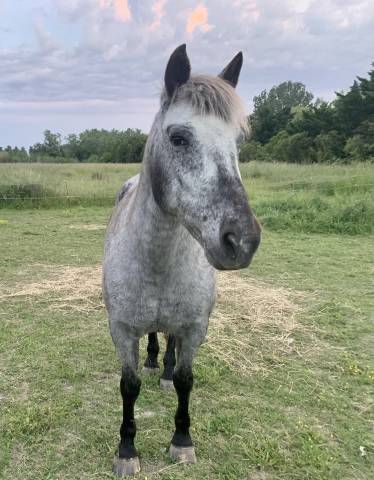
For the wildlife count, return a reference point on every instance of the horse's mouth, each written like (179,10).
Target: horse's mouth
(220,261)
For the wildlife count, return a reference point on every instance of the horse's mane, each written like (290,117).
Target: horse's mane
(212,95)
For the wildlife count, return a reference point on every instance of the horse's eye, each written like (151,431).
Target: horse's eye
(179,141)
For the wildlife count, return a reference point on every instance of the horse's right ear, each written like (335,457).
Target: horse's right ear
(178,70)
(232,71)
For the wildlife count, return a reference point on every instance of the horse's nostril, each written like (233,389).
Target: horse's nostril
(231,245)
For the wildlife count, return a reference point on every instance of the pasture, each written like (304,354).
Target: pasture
(283,384)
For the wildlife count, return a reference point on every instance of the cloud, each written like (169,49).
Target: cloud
(158,9)
(198,18)
(88,54)
(121,8)
(249,9)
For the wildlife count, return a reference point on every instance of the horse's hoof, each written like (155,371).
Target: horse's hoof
(167,385)
(126,467)
(182,454)
(150,371)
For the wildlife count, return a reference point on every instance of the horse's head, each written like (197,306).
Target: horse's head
(193,148)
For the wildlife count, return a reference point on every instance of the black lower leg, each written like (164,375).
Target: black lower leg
(169,359)
(152,349)
(183,381)
(130,387)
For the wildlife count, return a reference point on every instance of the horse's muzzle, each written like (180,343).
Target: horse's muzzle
(238,243)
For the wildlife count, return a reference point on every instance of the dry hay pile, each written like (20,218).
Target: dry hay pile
(88,226)
(251,321)
(67,287)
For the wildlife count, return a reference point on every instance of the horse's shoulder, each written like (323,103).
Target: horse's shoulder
(127,187)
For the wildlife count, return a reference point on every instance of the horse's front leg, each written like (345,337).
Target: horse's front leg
(181,447)
(126,461)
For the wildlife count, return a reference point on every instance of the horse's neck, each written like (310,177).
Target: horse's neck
(161,234)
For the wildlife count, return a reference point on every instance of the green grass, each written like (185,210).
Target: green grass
(310,198)
(62,185)
(304,413)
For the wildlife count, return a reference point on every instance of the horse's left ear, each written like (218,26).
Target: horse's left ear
(178,69)
(231,72)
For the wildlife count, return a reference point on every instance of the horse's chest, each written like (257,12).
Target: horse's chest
(184,297)
(175,301)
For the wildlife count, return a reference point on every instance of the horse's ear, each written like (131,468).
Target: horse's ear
(231,72)
(178,70)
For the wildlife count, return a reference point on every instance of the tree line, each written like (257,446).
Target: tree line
(287,125)
(91,146)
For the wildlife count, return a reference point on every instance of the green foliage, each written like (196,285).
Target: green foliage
(315,119)
(361,145)
(292,129)
(349,109)
(328,146)
(92,146)
(13,155)
(273,109)
(252,151)
(297,148)
(107,146)
(51,147)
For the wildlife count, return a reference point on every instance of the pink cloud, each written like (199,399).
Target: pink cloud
(198,18)
(121,8)
(158,10)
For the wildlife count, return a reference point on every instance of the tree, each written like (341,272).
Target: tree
(297,148)
(349,109)
(72,148)
(273,109)
(367,92)
(361,145)
(329,146)
(314,120)
(50,147)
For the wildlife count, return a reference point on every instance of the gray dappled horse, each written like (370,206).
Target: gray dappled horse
(184,216)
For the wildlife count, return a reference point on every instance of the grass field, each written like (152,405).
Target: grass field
(284,383)
(310,198)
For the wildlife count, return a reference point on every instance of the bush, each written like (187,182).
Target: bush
(40,158)
(361,145)
(252,151)
(17,194)
(328,146)
(297,148)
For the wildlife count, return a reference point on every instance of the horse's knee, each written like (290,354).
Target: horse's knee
(183,379)
(130,383)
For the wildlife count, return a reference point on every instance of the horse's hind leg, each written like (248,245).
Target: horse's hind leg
(166,380)
(151,364)
(126,461)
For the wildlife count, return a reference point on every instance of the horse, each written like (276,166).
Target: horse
(183,217)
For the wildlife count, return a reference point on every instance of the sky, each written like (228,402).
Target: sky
(68,65)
